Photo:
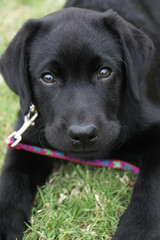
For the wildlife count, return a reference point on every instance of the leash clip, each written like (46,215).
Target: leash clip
(28,121)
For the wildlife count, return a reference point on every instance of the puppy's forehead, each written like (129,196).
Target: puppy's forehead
(74,24)
(74,33)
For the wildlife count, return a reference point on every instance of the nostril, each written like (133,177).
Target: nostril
(74,136)
(76,139)
(92,138)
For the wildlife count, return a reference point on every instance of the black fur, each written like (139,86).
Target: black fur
(82,113)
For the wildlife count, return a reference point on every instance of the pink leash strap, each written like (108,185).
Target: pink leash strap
(113,163)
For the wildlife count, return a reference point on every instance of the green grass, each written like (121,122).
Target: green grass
(80,202)
(77,202)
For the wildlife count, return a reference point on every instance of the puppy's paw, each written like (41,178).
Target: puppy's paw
(133,233)
(12,222)
(10,236)
(130,228)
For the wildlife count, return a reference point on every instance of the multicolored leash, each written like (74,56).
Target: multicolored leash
(118,164)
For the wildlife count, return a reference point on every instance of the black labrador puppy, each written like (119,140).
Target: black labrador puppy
(94,78)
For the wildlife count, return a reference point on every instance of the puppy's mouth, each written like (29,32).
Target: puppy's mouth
(85,155)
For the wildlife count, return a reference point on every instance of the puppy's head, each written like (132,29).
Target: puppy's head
(75,65)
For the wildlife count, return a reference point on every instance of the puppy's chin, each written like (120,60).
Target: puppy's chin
(95,155)
(92,154)
(84,155)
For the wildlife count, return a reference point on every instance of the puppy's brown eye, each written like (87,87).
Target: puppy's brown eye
(48,78)
(105,73)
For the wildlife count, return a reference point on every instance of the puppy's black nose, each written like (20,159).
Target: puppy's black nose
(83,135)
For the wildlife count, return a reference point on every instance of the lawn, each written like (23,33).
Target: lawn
(77,202)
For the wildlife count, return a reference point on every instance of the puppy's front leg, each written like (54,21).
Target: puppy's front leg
(21,174)
(142,217)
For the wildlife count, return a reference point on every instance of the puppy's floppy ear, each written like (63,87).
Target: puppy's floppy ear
(13,63)
(137,50)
